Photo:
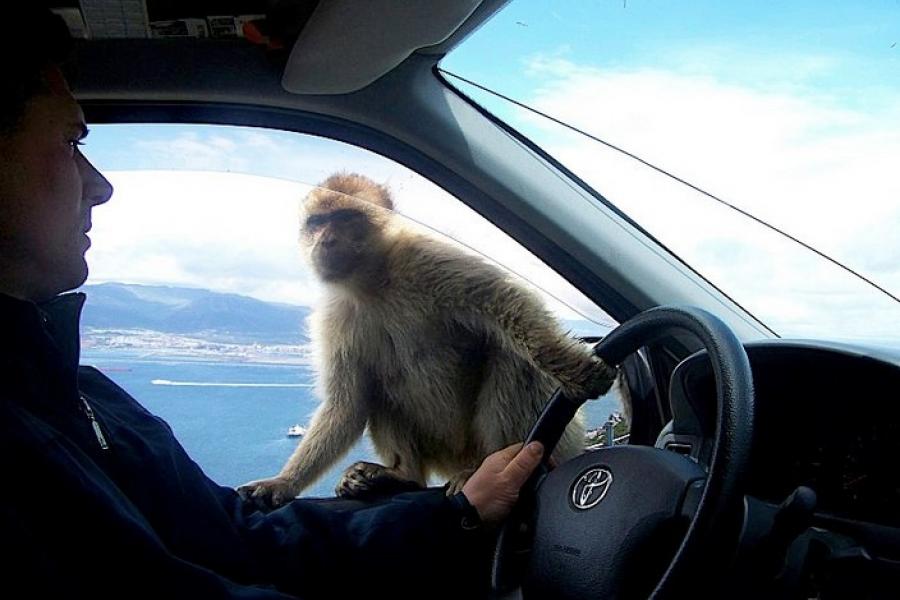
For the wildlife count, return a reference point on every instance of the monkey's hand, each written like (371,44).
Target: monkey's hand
(366,480)
(592,379)
(268,494)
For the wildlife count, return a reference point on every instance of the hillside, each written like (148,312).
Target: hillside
(195,312)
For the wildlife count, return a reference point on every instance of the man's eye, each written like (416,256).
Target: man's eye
(74,144)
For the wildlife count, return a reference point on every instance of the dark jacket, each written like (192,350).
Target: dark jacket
(138,518)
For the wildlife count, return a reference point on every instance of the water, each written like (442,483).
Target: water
(232,418)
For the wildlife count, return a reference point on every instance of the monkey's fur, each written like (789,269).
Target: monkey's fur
(443,356)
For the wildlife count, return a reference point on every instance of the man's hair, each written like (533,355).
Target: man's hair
(33,39)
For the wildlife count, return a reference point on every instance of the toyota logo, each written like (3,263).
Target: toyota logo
(591,487)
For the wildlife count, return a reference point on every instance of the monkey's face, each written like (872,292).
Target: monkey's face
(344,227)
(339,241)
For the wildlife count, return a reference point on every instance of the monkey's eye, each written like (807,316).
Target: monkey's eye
(345,216)
(315,222)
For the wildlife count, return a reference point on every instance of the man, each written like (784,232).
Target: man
(100,500)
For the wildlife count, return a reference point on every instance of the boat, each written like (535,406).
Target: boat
(296,431)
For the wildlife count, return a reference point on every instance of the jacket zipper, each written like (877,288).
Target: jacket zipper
(101,439)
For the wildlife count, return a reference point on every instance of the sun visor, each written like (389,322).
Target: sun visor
(347,44)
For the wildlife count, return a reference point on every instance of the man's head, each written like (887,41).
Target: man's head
(47,187)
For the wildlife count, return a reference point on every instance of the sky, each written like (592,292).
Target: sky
(787,109)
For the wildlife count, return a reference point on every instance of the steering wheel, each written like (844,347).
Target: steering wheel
(634,521)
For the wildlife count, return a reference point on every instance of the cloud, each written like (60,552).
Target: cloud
(287,155)
(803,161)
(193,152)
(227,232)
(760,148)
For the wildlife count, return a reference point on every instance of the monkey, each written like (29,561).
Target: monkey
(442,355)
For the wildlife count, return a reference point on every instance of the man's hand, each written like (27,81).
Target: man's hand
(494,488)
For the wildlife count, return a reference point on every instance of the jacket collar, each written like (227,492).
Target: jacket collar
(33,325)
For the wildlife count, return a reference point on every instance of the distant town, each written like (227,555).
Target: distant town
(156,343)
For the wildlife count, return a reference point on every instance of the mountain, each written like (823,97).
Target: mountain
(189,311)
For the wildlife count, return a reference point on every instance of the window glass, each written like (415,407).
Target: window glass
(197,295)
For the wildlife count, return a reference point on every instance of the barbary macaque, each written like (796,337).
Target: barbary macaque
(443,356)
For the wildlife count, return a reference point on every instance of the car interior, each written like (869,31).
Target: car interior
(741,477)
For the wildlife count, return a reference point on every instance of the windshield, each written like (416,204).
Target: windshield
(788,111)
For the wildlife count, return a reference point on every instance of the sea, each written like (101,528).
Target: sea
(233,417)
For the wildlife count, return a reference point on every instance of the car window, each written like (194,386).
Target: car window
(198,295)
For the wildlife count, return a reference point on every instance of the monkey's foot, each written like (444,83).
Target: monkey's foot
(268,494)
(364,480)
(455,484)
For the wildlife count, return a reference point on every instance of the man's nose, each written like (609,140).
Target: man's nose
(96,188)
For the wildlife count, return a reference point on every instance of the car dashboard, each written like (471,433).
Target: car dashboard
(822,514)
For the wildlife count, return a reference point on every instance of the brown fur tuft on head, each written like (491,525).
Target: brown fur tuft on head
(345,228)
(361,187)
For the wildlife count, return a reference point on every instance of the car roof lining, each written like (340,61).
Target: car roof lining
(320,46)
(339,51)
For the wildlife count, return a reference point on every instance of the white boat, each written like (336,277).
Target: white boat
(296,431)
